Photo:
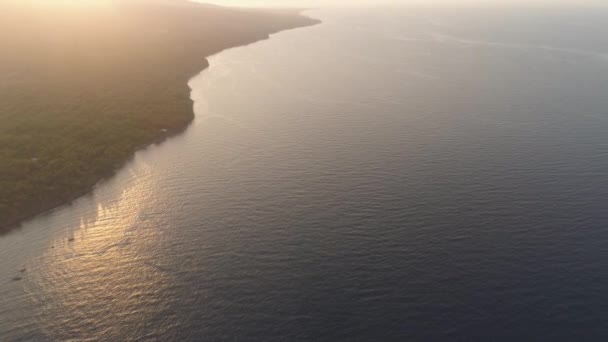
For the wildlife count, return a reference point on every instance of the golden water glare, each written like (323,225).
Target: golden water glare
(104,271)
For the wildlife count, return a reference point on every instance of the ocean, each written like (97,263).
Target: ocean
(388,175)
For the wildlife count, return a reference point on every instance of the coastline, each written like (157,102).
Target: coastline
(296,20)
(17,222)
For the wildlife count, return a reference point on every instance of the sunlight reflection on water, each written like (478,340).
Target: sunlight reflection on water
(107,268)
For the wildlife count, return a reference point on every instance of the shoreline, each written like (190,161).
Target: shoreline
(16,223)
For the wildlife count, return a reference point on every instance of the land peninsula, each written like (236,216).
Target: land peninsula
(83,86)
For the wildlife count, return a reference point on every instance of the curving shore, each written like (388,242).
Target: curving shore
(82,88)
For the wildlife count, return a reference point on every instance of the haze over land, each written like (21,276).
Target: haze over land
(82,86)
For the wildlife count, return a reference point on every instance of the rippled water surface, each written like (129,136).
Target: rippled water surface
(387,175)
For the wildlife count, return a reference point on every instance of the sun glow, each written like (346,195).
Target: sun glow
(61,3)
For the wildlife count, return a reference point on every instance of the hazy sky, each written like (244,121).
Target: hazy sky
(323,3)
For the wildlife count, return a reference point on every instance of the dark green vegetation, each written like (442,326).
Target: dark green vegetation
(82,87)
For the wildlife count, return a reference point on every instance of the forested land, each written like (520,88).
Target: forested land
(82,87)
